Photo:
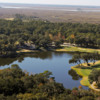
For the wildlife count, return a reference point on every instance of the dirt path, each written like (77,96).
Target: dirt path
(94,88)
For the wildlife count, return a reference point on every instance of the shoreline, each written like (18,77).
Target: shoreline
(77,49)
(26,51)
(84,73)
(65,49)
(84,80)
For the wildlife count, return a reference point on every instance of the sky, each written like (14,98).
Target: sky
(59,2)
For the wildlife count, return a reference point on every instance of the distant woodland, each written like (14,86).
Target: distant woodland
(17,33)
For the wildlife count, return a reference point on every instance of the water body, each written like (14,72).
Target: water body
(67,8)
(11,7)
(57,63)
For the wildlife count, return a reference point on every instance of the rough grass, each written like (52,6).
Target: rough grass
(78,49)
(9,19)
(26,51)
(85,72)
(56,15)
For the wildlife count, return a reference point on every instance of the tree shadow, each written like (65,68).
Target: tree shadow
(74,75)
(83,67)
(89,67)
(96,66)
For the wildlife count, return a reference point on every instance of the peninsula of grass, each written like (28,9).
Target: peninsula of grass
(26,51)
(77,49)
(65,49)
(85,71)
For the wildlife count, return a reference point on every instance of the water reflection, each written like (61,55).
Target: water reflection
(41,55)
(74,75)
(55,62)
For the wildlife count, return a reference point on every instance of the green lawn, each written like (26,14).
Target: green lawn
(26,51)
(78,49)
(85,71)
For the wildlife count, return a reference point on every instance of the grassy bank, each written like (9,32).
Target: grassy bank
(11,19)
(26,51)
(77,49)
(85,71)
(65,49)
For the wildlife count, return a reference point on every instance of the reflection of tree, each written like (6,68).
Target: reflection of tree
(43,55)
(57,54)
(20,58)
(6,61)
(74,75)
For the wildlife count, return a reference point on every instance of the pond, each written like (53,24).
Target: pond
(55,62)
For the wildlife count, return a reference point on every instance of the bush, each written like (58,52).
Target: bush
(68,97)
(87,98)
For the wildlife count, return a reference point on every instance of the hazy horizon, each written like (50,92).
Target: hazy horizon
(56,2)
(51,4)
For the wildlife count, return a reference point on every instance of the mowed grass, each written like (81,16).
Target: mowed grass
(26,51)
(77,49)
(85,72)
(11,19)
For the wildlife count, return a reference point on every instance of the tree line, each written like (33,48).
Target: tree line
(16,33)
(86,57)
(16,84)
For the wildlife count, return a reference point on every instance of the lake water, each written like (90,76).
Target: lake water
(57,63)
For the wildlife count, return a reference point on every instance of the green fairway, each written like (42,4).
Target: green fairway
(78,49)
(85,71)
